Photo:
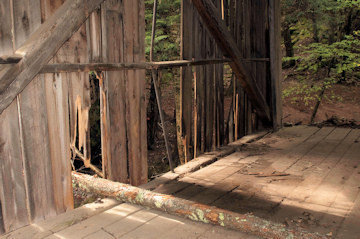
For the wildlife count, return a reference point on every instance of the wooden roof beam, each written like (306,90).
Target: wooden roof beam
(217,27)
(41,46)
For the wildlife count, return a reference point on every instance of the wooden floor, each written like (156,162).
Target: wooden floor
(108,219)
(317,186)
(302,176)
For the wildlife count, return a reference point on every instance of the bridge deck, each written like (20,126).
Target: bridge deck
(302,176)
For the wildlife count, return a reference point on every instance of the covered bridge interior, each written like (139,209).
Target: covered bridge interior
(300,182)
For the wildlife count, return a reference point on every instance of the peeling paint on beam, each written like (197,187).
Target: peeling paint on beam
(195,211)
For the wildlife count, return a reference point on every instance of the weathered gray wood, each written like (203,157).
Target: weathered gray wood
(219,31)
(14,210)
(12,186)
(50,36)
(57,103)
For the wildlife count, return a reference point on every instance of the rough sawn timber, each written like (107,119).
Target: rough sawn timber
(51,35)
(195,211)
(226,42)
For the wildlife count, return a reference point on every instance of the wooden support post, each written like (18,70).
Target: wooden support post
(162,118)
(275,62)
(226,42)
(186,52)
(194,211)
(51,35)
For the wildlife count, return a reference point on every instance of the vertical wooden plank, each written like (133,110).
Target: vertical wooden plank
(209,84)
(34,121)
(12,186)
(123,95)
(37,150)
(140,57)
(134,50)
(198,87)
(56,93)
(275,62)
(113,95)
(27,18)
(186,53)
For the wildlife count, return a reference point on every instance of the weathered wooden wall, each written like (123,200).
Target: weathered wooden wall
(51,116)
(254,25)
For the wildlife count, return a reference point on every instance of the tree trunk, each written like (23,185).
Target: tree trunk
(184,208)
(315,26)
(288,41)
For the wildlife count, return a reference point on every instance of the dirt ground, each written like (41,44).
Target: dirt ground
(345,108)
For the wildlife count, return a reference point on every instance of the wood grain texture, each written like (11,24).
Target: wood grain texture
(12,186)
(50,36)
(113,93)
(134,21)
(34,121)
(123,93)
(57,103)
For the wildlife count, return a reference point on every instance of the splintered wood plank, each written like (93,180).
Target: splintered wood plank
(186,53)
(13,200)
(57,101)
(113,95)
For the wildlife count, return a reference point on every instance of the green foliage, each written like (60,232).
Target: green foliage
(167,37)
(339,60)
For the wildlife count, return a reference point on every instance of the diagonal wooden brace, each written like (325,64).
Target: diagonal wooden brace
(41,46)
(211,17)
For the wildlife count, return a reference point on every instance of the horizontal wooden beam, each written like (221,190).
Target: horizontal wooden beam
(84,67)
(41,46)
(10,59)
(217,27)
(247,222)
